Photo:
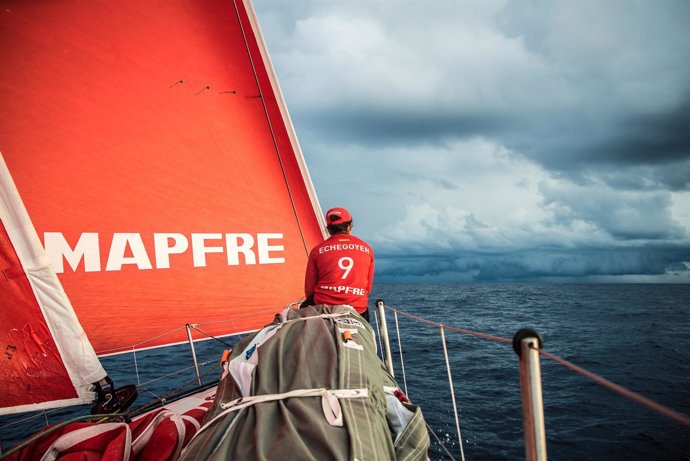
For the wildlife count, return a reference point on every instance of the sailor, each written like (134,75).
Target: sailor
(340,270)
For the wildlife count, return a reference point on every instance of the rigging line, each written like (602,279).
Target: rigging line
(124,350)
(452,392)
(203,364)
(50,430)
(156,337)
(187,383)
(431,431)
(212,337)
(136,366)
(238,333)
(457,330)
(634,396)
(378,333)
(270,125)
(255,313)
(133,347)
(155,396)
(402,362)
(163,400)
(44,414)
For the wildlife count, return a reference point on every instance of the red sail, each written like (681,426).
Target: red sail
(154,154)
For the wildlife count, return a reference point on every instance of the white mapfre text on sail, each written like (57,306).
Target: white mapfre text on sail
(129,249)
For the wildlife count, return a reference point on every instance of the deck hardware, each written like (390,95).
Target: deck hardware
(388,357)
(191,345)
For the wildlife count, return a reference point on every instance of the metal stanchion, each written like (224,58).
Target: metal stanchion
(191,345)
(526,344)
(388,359)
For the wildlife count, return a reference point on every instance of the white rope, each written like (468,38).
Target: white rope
(378,332)
(428,428)
(452,393)
(243,402)
(320,316)
(402,362)
(136,366)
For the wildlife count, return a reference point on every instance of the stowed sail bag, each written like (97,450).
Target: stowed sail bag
(310,386)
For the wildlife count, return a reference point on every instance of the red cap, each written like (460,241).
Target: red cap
(337,216)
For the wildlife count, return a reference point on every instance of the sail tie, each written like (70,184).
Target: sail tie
(329,402)
(320,316)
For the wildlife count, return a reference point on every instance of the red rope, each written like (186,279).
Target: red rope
(619,389)
(458,330)
(634,396)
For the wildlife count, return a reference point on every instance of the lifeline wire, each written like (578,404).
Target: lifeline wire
(457,330)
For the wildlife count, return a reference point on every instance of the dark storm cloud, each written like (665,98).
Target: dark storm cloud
(675,176)
(580,87)
(659,139)
(536,264)
(620,142)
(374,127)
(568,143)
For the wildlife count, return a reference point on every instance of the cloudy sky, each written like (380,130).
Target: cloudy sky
(497,140)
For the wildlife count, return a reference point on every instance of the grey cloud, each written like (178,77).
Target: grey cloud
(620,141)
(675,176)
(373,126)
(662,138)
(535,138)
(672,176)
(611,94)
(625,216)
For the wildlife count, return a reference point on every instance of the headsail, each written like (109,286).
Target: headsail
(46,361)
(154,154)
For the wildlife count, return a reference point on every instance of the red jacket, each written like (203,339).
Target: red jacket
(340,271)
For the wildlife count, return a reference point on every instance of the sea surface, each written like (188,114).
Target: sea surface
(637,336)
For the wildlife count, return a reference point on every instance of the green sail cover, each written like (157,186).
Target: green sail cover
(306,354)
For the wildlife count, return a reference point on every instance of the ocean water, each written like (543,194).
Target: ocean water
(635,335)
